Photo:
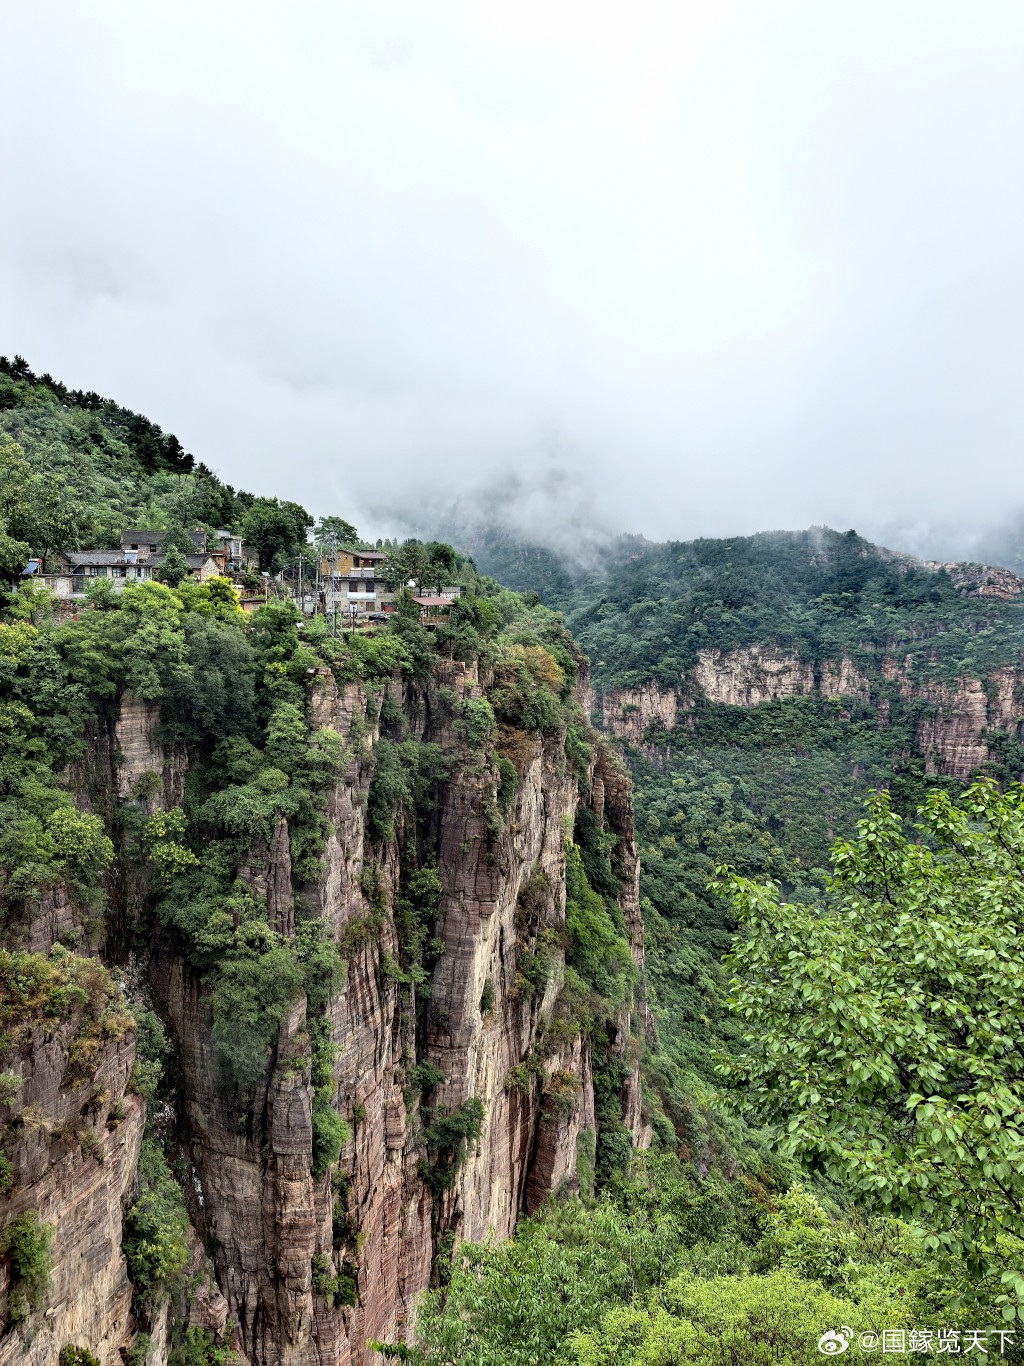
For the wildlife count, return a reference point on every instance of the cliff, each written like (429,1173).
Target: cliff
(71,1131)
(960,723)
(307,1265)
(261,1206)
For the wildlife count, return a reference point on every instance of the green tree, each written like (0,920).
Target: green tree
(427,564)
(15,481)
(276,529)
(174,567)
(884,1030)
(334,532)
(38,511)
(177,536)
(404,564)
(56,520)
(442,562)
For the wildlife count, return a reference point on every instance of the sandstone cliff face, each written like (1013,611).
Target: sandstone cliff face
(963,716)
(73,1142)
(743,678)
(258,1204)
(955,731)
(627,713)
(261,1221)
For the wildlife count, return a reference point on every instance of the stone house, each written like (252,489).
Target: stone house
(237,555)
(206,565)
(76,569)
(147,543)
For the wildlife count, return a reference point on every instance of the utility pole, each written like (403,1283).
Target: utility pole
(332,550)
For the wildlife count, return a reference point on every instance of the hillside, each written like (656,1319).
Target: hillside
(354,1004)
(112,468)
(858,664)
(317,949)
(760,686)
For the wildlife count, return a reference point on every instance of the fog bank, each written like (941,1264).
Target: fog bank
(678,268)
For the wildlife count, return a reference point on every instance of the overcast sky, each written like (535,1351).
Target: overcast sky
(687,268)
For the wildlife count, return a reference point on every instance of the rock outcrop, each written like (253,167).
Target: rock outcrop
(260,1207)
(744,678)
(627,713)
(297,1269)
(963,716)
(981,580)
(72,1136)
(960,723)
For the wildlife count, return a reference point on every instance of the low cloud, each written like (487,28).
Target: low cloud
(686,269)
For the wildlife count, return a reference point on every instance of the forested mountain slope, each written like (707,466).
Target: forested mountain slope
(317,952)
(795,663)
(325,991)
(762,684)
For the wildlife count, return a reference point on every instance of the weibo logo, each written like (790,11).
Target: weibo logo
(833,1344)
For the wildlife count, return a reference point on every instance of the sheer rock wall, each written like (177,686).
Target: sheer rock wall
(261,1208)
(73,1151)
(260,1219)
(956,720)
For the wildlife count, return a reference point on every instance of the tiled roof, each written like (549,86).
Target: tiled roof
(80,558)
(193,561)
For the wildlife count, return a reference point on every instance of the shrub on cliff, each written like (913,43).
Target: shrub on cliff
(405,777)
(70,1355)
(474,723)
(527,689)
(25,1241)
(155,1238)
(60,985)
(447,1138)
(197,1348)
(251,997)
(330,1133)
(598,946)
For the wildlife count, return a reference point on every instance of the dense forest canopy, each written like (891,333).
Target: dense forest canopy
(645,610)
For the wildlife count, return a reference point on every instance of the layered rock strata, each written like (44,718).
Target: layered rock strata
(72,1139)
(959,723)
(289,1268)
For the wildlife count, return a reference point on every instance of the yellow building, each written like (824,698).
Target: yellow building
(347,560)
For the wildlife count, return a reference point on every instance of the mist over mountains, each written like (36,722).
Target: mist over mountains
(681,271)
(561,518)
